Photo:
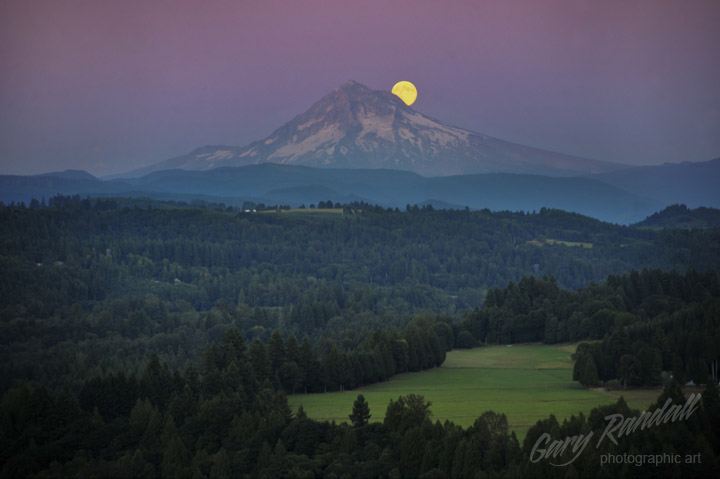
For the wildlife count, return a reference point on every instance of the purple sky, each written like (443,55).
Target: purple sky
(110,86)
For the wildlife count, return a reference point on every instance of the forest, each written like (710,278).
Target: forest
(145,339)
(637,326)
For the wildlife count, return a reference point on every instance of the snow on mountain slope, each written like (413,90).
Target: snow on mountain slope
(356,127)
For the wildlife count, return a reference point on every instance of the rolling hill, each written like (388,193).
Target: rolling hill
(693,184)
(295,185)
(679,216)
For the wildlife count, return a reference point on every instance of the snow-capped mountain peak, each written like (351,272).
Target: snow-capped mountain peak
(354,126)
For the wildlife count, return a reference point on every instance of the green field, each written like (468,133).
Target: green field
(527,382)
(316,211)
(554,241)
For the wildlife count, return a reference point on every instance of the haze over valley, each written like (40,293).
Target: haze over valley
(356,144)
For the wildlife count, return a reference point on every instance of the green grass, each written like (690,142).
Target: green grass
(527,382)
(317,211)
(554,241)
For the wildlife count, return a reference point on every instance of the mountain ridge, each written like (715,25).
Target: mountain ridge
(606,199)
(680,216)
(293,184)
(692,183)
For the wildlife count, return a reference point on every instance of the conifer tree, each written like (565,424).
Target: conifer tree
(361,412)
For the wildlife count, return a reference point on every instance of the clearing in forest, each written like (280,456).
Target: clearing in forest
(526,382)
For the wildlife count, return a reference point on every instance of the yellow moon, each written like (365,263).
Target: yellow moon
(406,91)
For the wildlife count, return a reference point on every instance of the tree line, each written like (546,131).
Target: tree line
(640,326)
(223,421)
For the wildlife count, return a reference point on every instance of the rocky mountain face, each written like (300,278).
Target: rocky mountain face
(357,127)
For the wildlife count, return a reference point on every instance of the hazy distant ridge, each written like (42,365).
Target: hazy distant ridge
(295,185)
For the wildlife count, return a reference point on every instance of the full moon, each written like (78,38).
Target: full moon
(406,91)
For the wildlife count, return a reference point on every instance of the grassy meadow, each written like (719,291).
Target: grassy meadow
(527,382)
(307,211)
(554,241)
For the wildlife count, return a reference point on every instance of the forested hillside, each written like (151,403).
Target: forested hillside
(91,277)
(144,340)
(643,323)
(679,216)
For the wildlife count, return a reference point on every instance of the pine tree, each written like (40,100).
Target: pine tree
(589,375)
(361,412)
(220,464)
(259,360)
(276,351)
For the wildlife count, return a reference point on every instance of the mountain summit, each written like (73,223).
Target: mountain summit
(357,127)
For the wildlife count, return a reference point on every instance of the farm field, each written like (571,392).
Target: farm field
(527,382)
(554,241)
(308,211)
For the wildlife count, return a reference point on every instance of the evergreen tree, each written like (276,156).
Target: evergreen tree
(261,365)
(276,351)
(360,412)
(589,374)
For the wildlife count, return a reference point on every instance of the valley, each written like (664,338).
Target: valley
(143,337)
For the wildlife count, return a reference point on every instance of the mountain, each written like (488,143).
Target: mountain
(694,184)
(69,182)
(70,175)
(287,184)
(679,216)
(356,127)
